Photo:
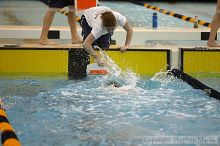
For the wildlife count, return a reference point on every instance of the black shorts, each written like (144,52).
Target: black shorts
(58,3)
(103,41)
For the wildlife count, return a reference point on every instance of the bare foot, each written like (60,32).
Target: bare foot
(47,42)
(213,44)
(77,40)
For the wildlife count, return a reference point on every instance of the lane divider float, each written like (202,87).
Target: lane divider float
(8,136)
(196,84)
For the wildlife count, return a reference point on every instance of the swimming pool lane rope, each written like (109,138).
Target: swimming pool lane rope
(171,13)
(8,136)
(196,84)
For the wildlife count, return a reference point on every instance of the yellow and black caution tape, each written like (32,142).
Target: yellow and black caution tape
(171,13)
(66,13)
(8,136)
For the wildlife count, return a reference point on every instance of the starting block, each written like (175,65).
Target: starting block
(85,4)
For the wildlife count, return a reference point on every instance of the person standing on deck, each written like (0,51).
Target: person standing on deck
(54,6)
(214,27)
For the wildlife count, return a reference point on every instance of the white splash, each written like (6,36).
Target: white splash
(112,67)
(162,77)
(125,78)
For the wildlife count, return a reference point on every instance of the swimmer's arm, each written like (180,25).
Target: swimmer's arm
(127,27)
(87,45)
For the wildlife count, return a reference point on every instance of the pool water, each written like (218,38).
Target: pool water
(55,111)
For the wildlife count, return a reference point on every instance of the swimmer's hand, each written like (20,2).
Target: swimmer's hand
(124,48)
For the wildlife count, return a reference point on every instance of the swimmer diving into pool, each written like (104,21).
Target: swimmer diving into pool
(214,27)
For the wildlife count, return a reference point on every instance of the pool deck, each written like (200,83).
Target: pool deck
(34,43)
(140,35)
